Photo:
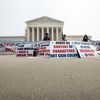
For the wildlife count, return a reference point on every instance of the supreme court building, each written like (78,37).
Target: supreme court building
(36,29)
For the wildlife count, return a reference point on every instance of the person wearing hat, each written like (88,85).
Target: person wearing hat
(46,37)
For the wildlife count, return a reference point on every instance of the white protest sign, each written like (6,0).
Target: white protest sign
(44,48)
(25,50)
(85,49)
(62,49)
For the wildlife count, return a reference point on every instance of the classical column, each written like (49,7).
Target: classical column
(28,34)
(62,30)
(37,34)
(47,29)
(52,35)
(57,34)
(42,33)
(33,34)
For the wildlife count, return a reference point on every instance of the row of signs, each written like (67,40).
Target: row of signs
(63,49)
(58,49)
(26,52)
(86,49)
(54,49)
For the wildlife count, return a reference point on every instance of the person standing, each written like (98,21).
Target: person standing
(64,38)
(46,37)
(86,38)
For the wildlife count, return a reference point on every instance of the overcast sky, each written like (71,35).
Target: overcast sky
(80,16)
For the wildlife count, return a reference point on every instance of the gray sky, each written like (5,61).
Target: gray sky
(80,16)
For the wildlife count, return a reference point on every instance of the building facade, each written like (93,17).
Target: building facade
(12,38)
(36,29)
(76,37)
(23,38)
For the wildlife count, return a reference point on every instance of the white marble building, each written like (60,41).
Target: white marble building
(36,29)
(12,38)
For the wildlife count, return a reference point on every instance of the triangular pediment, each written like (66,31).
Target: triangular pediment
(45,19)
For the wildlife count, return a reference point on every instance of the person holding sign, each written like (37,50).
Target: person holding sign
(46,37)
(86,38)
(64,38)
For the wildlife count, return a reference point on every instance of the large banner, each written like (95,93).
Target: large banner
(25,50)
(85,49)
(57,49)
(10,47)
(62,49)
(44,48)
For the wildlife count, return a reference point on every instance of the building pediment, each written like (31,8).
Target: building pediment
(44,19)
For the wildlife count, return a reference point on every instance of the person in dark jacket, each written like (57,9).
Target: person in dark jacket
(64,38)
(46,37)
(85,38)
